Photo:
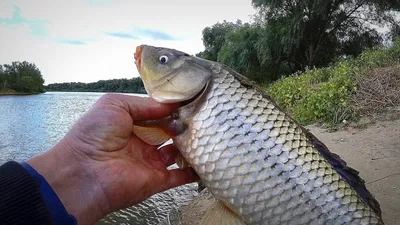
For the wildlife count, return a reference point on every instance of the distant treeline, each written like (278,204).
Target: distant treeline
(20,77)
(134,85)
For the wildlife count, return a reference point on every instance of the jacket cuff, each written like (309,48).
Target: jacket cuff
(57,210)
(20,198)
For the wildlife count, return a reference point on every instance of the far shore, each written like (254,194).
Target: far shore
(12,92)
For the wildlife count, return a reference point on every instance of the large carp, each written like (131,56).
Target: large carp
(253,157)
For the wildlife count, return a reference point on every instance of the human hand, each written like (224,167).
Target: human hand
(101,166)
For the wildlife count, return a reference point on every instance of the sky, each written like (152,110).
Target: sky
(91,40)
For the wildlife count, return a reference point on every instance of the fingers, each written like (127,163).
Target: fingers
(140,108)
(168,154)
(178,177)
(175,177)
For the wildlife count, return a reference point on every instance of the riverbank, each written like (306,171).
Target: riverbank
(13,92)
(373,149)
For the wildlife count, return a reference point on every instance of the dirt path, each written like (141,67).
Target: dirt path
(374,151)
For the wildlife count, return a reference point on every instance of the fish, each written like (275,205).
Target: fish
(261,165)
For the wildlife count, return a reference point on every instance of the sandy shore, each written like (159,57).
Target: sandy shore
(374,151)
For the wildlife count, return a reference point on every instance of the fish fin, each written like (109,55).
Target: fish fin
(346,172)
(219,214)
(156,132)
(181,162)
(151,135)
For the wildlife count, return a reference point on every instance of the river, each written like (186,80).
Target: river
(30,125)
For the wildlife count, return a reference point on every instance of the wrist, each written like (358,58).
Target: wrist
(73,184)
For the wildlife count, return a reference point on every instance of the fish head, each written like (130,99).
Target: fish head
(170,76)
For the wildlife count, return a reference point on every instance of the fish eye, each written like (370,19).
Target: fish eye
(163,59)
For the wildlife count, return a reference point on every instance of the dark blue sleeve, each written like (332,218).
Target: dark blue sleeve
(59,214)
(20,200)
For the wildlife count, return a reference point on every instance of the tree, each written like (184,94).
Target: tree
(314,32)
(3,78)
(357,42)
(214,38)
(12,75)
(21,77)
(394,32)
(240,53)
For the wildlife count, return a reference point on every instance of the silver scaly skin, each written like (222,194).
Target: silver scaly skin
(249,153)
(262,164)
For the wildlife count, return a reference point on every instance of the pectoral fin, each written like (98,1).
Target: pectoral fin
(151,135)
(156,132)
(221,215)
(181,162)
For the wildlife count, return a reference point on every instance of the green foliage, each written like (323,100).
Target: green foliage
(292,35)
(214,38)
(323,95)
(21,77)
(308,33)
(239,52)
(379,57)
(358,42)
(134,85)
(394,32)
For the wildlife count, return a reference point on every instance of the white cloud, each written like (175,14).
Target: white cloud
(6,9)
(106,57)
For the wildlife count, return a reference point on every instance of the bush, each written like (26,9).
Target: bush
(378,91)
(324,95)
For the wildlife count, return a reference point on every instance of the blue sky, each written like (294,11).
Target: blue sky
(90,40)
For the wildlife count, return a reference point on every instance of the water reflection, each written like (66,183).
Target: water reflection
(30,125)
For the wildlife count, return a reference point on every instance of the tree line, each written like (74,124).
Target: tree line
(134,85)
(291,35)
(23,77)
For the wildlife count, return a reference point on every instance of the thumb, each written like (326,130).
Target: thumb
(139,108)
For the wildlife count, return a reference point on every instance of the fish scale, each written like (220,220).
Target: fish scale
(261,164)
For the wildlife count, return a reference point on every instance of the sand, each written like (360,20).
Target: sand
(374,151)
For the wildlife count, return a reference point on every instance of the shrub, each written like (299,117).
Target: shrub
(324,95)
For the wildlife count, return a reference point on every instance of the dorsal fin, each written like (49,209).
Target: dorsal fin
(346,172)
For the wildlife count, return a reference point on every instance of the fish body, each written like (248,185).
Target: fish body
(251,155)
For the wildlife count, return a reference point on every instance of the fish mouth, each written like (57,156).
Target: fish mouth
(195,98)
(138,57)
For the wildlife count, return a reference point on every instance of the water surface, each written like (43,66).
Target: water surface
(30,125)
